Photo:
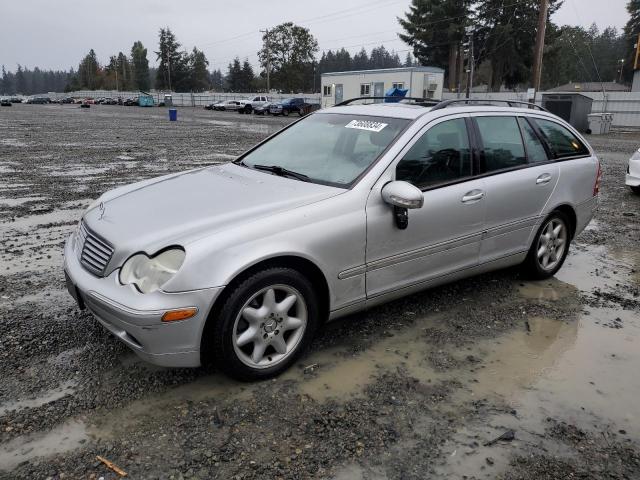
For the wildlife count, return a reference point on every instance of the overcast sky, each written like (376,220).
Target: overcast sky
(56,34)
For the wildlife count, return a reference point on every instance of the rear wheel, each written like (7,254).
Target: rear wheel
(636,190)
(264,325)
(550,247)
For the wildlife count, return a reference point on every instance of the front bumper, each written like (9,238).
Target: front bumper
(135,318)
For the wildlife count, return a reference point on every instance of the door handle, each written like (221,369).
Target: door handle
(472,196)
(543,179)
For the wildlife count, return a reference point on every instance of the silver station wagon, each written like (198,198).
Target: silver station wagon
(346,208)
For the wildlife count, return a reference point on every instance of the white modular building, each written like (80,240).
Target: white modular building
(421,82)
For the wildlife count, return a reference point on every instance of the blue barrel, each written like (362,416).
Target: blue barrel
(173,114)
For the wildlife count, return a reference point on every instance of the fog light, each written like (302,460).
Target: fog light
(180,314)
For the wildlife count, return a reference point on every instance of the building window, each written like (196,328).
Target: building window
(326,90)
(399,85)
(365,89)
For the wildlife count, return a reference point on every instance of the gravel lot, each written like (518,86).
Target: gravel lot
(419,388)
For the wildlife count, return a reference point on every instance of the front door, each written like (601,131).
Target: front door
(338,93)
(444,235)
(519,183)
(378,91)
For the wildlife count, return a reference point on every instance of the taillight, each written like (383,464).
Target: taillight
(596,186)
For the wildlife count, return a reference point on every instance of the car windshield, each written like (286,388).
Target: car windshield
(328,148)
(287,101)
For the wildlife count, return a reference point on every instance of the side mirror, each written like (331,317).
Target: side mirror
(403,195)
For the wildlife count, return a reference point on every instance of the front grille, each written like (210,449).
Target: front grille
(95,253)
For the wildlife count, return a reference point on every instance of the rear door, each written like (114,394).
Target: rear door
(519,180)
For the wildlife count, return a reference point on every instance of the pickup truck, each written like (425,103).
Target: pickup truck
(292,105)
(249,104)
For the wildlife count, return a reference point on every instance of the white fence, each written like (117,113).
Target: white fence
(625,106)
(182,99)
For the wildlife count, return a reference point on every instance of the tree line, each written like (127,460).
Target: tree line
(503,42)
(437,32)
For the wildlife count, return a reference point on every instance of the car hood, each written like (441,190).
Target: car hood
(181,208)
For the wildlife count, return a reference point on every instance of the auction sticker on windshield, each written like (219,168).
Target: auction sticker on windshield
(366,125)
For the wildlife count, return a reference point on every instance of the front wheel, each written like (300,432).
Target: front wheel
(549,249)
(635,190)
(285,113)
(267,321)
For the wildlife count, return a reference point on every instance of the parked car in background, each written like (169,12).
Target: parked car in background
(40,100)
(228,105)
(250,104)
(5,102)
(348,208)
(262,109)
(211,106)
(67,100)
(130,102)
(292,105)
(632,178)
(15,100)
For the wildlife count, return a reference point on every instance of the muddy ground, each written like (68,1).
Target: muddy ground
(419,388)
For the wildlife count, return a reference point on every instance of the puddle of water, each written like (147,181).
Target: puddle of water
(343,377)
(64,438)
(15,201)
(29,222)
(12,142)
(582,372)
(67,388)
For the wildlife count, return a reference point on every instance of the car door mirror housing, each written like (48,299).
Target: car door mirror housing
(402,194)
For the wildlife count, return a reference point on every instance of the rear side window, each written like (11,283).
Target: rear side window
(562,142)
(441,155)
(535,150)
(502,143)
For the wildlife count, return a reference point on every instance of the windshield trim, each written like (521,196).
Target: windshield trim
(347,186)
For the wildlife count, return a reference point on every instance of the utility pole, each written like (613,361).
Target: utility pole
(470,59)
(169,70)
(117,89)
(537,54)
(266,36)
(621,69)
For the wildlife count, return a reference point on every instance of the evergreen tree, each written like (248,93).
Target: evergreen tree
(408,61)
(631,32)
(89,71)
(360,60)
(170,71)
(140,67)
(21,82)
(247,77)
(435,29)
(234,76)
(198,64)
(217,81)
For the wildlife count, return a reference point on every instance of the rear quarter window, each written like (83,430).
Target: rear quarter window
(561,141)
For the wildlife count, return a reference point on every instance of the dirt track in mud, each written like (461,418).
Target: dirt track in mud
(417,388)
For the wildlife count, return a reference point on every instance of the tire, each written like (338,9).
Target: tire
(635,190)
(285,113)
(541,264)
(278,338)
(301,112)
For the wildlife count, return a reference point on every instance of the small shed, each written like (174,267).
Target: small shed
(145,100)
(571,107)
(420,82)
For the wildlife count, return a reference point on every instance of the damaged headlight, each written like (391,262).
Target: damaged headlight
(149,274)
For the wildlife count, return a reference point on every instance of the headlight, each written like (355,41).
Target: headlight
(149,274)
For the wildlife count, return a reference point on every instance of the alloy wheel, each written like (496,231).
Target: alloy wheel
(269,326)
(552,244)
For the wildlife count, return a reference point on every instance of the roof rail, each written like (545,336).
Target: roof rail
(416,101)
(485,101)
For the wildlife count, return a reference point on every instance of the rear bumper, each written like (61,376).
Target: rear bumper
(135,318)
(584,213)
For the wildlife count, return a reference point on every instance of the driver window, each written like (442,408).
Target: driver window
(441,155)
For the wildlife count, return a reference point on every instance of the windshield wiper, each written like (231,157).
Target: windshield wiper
(282,172)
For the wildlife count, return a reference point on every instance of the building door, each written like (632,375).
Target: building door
(338,93)
(378,90)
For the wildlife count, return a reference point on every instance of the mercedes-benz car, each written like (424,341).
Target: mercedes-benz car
(346,208)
